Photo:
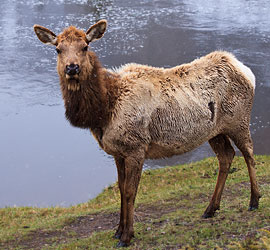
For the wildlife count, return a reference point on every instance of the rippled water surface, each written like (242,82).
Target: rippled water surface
(44,161)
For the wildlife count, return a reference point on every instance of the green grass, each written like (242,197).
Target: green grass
(169,206)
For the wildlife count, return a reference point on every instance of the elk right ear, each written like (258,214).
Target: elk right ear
(96,31)
(45,35)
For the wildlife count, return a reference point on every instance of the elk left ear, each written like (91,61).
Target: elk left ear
(96,31)
(45,35)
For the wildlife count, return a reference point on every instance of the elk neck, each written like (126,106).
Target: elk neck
(89,105)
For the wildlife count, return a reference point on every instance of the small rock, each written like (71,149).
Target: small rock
(206,175)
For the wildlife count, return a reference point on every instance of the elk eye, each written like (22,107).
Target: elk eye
(58,51)
(85,48)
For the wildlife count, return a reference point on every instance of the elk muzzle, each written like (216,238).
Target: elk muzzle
(72,69)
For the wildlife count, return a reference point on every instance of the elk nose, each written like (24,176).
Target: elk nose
(72,69)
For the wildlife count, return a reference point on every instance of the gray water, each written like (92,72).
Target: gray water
(43,160)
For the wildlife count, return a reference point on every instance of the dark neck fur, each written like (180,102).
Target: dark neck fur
(90,107)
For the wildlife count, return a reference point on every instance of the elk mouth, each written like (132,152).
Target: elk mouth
(73,82)
(73,87)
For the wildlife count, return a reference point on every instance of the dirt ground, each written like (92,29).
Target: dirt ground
(83,226)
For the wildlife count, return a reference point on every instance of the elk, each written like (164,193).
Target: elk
(140,112)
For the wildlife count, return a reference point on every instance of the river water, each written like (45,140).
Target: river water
(43,160)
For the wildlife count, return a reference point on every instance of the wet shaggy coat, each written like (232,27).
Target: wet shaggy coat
(172,111)
(139,112)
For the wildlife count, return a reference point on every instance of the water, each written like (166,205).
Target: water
(45,161)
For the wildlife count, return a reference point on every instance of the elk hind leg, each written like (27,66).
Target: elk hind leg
(223,149)
(244,142)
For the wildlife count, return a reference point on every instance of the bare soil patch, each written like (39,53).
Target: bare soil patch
(83,226)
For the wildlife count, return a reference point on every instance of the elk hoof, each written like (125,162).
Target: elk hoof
(254,203)
(117,235)
(208,215)
(121,244)
(252,208)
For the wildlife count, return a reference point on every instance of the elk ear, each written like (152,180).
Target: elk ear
(45,35)
(96,31)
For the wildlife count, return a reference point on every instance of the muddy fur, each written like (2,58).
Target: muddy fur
(138,111)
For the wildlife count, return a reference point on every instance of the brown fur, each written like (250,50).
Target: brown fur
(71,34)
(139,112)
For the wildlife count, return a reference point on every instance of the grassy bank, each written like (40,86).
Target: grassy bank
(169,206)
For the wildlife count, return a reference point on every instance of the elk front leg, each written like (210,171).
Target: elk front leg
(130,174)
(120,164)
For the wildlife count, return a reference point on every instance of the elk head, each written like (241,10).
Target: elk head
(74,62)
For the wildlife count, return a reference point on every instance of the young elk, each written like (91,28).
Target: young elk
(141,112)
